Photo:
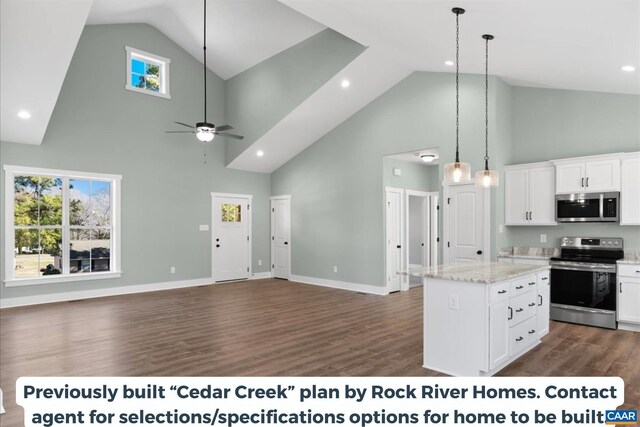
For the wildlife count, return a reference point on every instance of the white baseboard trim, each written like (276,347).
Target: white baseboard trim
(97,293)
(628,327)
(347,286)
(263,275)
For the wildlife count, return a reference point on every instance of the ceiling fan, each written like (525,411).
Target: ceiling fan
(204,130)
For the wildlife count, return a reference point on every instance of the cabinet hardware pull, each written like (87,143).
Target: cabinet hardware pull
(531,215)
(532,283)
(545,278)
(620,287)
(520,310)
(582,184)
(532,304)
(533,331)
(519,339)
(502,291)
(587,181)
(540,296)
(637,271)
(519,287)
(510,313)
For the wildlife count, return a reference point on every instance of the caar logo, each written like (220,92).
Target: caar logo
(624,416)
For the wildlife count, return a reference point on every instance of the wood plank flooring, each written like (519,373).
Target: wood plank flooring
(266,328)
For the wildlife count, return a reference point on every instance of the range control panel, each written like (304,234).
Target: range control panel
(592,242)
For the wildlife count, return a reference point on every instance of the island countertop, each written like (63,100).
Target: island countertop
(480,272)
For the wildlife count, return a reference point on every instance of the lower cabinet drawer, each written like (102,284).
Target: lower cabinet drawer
(522,335)
(522,307)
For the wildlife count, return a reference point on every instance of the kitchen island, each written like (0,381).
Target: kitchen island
(480,317)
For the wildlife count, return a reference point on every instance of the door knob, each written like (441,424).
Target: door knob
(479,252)
(217,246)
(399,246)
(286,243)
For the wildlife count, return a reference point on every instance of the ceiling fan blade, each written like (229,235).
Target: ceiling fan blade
(184,124)
(230,135)
(179,131)
(223,128)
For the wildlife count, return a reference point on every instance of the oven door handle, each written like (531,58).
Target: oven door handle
(588,268)
(584,310)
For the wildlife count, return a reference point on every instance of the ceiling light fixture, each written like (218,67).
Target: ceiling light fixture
(23,114)
(486,178)
(260,153)
(428,158)
(345,83)
(449,63)
(628,68)
(457,171)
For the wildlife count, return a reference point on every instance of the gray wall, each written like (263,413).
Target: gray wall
(258,98)
(553,124)
(98,126)
(337,183)
(414,176)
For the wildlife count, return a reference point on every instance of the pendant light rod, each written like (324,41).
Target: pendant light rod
(204,63)
(486,38)
(458,11)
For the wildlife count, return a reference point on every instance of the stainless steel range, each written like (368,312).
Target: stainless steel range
(583,281)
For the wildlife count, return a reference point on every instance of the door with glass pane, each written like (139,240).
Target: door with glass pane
(231,235)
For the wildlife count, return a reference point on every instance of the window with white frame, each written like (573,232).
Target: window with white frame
(147,73)
(60,225)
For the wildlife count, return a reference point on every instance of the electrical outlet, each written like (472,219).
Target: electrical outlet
(453,302)
(501,228)
(259,262)
(335,268)
(543,238)
(173,270)
(204,227)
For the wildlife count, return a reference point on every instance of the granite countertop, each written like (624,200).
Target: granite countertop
(527,252)
(630,257)
(481,272)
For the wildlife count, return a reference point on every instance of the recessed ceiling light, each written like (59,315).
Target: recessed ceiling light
(449,63)
(628,68)
(345,83)
(427,158)
(24,114)
(260,153)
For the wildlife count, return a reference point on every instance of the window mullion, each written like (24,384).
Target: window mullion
(65,226)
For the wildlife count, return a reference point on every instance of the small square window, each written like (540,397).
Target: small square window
(147,73)
(231,212)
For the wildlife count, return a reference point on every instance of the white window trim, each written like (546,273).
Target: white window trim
(164,64)
(9,230)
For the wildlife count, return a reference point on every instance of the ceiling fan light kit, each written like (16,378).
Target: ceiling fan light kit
(457,171)
(205,131)
(487,178)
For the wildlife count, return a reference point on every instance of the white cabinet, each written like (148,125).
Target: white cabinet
(630,190)
(542,314)
(498,333)
(588,174)
(629,297)
(530,194)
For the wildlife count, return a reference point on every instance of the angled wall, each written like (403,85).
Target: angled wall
(258,98)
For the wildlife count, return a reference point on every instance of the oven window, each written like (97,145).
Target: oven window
(583,289)
(584,208)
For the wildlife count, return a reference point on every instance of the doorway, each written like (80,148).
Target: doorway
(467,223)
(281,237)
(231,236)
(421,231)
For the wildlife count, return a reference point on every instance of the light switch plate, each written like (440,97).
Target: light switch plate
(501,228)
(543,238)
(204,227)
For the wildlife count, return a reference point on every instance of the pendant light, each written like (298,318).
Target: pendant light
(486,178)
(457,171)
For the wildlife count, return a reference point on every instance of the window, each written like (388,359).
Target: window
(147,73)
(231,212)
(60,225)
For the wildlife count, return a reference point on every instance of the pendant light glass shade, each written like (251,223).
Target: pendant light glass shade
(487,178)
(457,171)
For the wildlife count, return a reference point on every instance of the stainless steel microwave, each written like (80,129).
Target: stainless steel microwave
(588,207)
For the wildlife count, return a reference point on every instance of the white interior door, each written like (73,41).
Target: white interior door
(393,238)
(466,214)
(231,236)
(281,237)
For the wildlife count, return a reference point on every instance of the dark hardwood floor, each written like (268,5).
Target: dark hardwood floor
(265,328)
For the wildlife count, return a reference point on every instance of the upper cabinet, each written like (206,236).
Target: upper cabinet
(529,194)
(588,174)
(630,190)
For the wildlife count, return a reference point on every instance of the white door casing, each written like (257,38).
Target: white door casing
(231,237)
(281,236)
(394,238)
(467,223)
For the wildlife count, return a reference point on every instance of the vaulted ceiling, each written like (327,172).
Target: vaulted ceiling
(568,44)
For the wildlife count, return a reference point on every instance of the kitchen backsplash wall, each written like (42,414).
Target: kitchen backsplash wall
(552,124)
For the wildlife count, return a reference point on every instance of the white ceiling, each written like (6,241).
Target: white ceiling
(35,36)
(240,33)
(414,156)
